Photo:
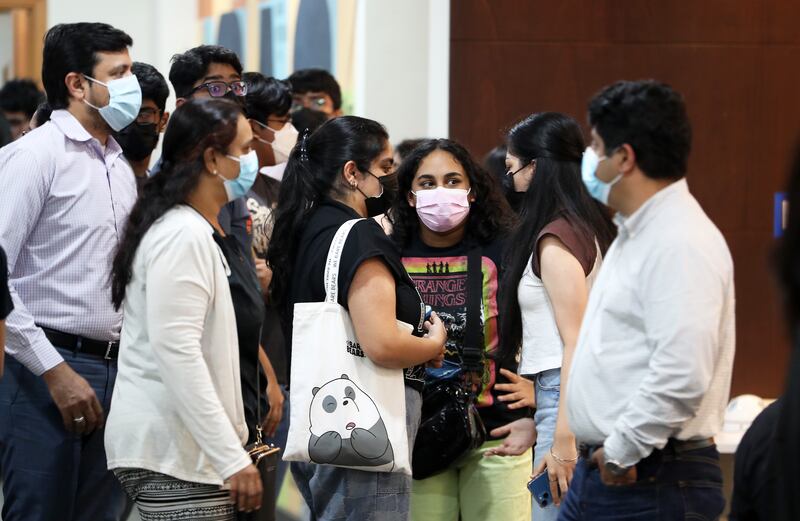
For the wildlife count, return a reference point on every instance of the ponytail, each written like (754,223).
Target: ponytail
(314,165)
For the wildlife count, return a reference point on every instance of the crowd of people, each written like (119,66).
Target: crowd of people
(148,312)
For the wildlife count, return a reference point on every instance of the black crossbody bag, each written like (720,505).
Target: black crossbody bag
(451,426)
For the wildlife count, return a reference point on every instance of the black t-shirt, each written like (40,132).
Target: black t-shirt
(6,306)
(441,278)
(366,240)
(248,306)
(752,482)
(234,219)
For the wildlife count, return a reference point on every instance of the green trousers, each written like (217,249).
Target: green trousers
(478,489)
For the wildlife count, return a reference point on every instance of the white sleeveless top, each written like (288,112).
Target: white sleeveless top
(542,347)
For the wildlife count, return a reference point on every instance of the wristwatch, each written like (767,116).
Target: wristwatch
(614,468)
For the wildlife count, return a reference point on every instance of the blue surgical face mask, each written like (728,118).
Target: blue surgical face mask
(597,188)
(124,101)
(248,170)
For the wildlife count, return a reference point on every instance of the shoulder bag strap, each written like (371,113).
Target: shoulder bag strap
(472,351)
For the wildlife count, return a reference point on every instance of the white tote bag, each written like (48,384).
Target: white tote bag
(346,411)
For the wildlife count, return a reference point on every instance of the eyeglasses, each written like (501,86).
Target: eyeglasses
(148,116)
(218,89)
(315,102)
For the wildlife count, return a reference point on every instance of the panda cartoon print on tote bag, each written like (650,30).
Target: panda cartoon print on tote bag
(346,427)
(346,410)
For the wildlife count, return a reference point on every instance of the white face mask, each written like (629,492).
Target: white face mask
(597,188)
(274,172)
(284,141)
(124,101)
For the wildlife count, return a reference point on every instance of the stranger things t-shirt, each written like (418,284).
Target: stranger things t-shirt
(440,275)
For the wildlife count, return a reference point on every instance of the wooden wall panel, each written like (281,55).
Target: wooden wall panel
(735,62)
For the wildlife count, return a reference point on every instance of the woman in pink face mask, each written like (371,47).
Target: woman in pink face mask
(449,210)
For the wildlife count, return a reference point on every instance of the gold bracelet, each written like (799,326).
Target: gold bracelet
(562,460)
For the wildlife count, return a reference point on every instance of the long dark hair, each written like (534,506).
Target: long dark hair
(314,165)
(489,216)
(555,141)
(787,253)
(784,455)
(194,126)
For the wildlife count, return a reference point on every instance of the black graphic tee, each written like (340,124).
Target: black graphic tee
(441,278)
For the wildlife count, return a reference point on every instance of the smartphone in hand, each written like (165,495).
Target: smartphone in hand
(539,487)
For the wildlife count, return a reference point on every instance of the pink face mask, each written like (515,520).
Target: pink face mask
(442,209)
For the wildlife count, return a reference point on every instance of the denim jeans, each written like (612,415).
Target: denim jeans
(50,474)
(341,494)
(547,385)
(671,485)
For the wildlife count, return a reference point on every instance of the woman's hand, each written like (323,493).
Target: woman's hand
(437,333)
(520,435)
(520,391)
(246,489)
(275,398)
(559,470)
(264,274)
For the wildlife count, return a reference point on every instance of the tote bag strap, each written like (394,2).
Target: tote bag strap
(334,260)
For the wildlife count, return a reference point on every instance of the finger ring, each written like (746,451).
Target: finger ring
(79,420)
(553,480)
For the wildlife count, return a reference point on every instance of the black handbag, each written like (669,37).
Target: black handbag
(451,426)
(265,458)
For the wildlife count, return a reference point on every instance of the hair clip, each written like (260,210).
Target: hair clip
(303,147)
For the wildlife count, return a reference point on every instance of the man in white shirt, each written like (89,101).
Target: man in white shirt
(651,375)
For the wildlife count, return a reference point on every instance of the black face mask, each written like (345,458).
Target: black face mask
(380,204)
(137,140)
(516,200)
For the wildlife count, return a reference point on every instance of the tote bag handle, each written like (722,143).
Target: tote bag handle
(334,261)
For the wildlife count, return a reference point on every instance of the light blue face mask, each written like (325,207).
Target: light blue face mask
(124,101)
(597,188)
(248,170)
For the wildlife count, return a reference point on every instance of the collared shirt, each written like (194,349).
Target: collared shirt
(65,202)
(655,350)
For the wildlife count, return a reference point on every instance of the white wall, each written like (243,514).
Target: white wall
(159,28)
(402,66)
(6,47)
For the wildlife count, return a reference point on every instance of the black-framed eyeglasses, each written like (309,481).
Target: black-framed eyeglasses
(284,121)
(148,116)
(218,89)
